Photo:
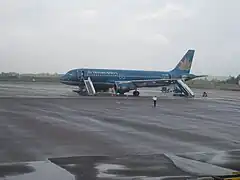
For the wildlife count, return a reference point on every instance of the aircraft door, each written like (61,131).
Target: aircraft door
(80,75)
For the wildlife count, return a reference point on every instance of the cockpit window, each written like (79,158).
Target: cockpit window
(71,73)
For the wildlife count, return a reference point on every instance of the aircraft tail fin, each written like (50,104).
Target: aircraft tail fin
(185,64)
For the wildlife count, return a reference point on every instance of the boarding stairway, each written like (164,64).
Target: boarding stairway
(184,88)
(89,86)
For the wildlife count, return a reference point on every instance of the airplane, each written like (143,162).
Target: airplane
(126,80)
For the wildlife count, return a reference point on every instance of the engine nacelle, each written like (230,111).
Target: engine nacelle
(124,87)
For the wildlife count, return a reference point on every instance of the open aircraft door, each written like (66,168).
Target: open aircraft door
(80,75)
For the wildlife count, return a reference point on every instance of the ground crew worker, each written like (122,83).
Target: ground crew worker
(154,101)
(204,94)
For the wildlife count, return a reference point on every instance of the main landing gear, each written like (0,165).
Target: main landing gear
(136,93)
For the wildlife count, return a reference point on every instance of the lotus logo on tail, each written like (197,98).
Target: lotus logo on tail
(185,65)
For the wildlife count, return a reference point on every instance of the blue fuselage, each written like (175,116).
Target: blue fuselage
(126,80)
(105,78)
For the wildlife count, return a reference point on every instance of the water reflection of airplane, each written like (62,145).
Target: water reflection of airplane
(95,80)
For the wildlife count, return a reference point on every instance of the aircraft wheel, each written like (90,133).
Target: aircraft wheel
(121,94)
(136,93)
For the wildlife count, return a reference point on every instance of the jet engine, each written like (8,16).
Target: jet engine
(124,87)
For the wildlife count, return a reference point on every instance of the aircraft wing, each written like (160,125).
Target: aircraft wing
(153,80)
(162,81)
(145,82)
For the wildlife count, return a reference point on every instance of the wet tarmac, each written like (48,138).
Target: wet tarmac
(180,137)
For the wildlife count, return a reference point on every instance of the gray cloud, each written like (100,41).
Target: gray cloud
(57,35)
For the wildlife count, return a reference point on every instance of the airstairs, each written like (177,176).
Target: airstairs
(184,88)
(89,86)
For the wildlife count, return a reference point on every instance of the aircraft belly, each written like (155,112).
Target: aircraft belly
(152,84)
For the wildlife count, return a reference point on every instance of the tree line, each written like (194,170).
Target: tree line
(233,80)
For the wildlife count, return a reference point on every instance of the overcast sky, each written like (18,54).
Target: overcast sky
(58,35)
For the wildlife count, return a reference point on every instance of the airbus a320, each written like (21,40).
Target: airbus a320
(96,80)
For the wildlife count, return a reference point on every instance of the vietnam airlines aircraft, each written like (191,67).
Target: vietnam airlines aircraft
(126,80)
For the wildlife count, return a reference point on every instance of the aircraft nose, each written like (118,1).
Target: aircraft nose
(62,78)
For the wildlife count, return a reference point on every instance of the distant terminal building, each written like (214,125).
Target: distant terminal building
(10,75)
